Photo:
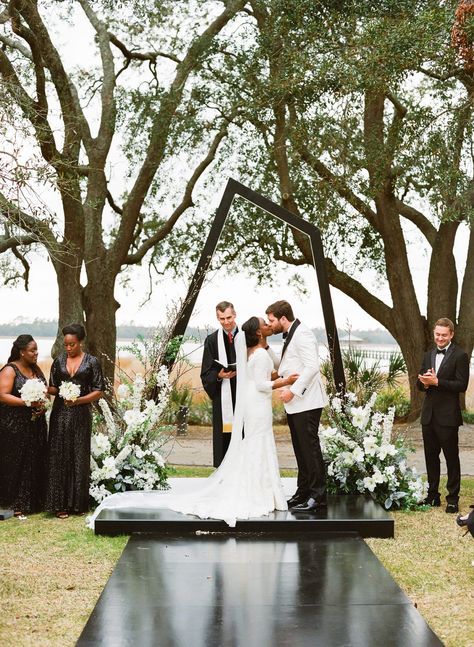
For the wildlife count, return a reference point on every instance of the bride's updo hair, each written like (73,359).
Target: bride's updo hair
(75,329)
(19,344)
(250,328)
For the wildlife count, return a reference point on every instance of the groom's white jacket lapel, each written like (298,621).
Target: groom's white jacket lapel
(301,356)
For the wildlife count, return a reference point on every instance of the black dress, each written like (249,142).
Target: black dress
(69,441)
(22,454)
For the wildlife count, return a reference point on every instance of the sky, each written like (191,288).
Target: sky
(40,302)
(249,299)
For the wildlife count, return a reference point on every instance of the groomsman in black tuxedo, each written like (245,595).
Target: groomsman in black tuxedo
(219,383)
(443,376)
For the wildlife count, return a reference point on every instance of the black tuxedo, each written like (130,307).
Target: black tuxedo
(441,418)
(212,385)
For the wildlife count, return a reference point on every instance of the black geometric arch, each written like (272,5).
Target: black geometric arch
(232,190)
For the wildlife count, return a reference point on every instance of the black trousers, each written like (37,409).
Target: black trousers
(311,470)
(436,438)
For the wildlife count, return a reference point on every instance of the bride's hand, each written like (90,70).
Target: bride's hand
(291,379)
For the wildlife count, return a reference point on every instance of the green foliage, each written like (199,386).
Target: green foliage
(364,379)
(393,397)
(200,413)
(468,417)
(396,368)
(279,413)
(181,395)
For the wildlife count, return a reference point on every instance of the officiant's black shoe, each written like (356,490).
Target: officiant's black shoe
(452,508)
(433,501)
(311,505)
(296,500)
(461,521)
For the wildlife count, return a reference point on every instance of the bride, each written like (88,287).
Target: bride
(247,483)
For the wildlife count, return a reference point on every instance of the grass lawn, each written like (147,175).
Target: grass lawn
(52,572)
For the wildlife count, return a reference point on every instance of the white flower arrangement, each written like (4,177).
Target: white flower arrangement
(128,456)
(33,390)
(361,456)
(69,391)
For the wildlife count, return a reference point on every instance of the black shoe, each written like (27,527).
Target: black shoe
(311,505)
(433,501)
(460,521)
(296,499)
(451,508)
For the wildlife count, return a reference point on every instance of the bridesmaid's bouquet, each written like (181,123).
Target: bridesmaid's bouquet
(33,390)
(69,391)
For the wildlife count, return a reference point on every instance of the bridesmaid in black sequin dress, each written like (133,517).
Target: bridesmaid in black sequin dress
(22,440)
(69,441)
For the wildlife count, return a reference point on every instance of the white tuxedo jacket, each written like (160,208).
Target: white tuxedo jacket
(301,356)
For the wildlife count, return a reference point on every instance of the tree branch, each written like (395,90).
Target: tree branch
(161,127)
(140,56)
(428,230)
(186,201)
(11,242)
(337,183)
(356,291)
(113,205)
(16,45)
(40,230)
(108,108)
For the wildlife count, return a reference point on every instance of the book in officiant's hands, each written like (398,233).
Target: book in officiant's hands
(227,369)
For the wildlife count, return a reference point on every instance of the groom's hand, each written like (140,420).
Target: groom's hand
(286,395)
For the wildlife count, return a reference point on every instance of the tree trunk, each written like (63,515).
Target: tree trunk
(70,308)
(100,307)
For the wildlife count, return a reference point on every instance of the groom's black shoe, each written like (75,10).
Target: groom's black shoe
(311,505)
(296,499)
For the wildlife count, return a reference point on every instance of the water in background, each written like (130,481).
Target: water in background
(193,351)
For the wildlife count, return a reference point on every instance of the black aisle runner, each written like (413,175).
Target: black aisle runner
(253,591)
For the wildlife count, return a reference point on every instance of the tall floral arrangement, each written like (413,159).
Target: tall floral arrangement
(126,447)
(363,457)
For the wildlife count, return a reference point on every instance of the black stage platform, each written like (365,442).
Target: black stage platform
(253,591)
(344,514)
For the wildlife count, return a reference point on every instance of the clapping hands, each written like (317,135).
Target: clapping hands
(428,378)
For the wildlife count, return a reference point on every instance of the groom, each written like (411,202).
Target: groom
(303,402)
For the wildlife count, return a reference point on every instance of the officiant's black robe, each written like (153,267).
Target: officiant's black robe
(213,386)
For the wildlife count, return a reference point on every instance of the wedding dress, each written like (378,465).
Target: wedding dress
(247,484)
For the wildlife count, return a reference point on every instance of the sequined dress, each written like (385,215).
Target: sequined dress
(69,441)
(22,454)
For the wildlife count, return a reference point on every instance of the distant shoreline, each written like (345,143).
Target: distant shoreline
(129,332)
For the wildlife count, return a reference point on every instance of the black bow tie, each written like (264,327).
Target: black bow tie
(285,335)
(441,352)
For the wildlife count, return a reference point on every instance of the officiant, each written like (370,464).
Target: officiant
(218,378)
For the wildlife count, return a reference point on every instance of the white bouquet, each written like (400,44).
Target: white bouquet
(33,390)
(69,391)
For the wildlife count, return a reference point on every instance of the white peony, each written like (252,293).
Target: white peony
(33,390)
(69,391)
(100,444)
(109,469)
